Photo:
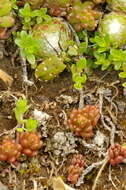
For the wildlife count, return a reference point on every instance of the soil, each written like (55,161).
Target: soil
(57,98)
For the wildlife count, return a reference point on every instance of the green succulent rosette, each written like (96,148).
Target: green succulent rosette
(113,25)
(53,37)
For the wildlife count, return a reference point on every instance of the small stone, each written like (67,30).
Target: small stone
(41,117)
(99,138)
(3,187)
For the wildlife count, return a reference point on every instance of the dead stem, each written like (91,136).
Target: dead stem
(100,107)
(113,130)
(6,78)
(35,184)
(9,131)
(99,173)
(23,185)
(81,101)
(88,170)
(110,178)
(92,147)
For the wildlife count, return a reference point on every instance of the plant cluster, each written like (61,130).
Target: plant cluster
(108,56)
(58,7)
(52,39)
(116,154)
(83,16)
(30,143)
(75,168)
(82,121)
(9,150)
(31,17)
(6,17)
(106,47)
(27,125)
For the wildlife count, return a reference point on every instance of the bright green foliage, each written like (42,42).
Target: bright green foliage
(103,43)
(114,25)
(29,46)
(107,56)
(78,75)
(31,17)
(14,4)
(31,124)
(72,48)
(49,68)
(20,109)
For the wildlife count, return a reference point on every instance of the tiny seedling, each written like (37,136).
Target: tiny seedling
(31,17)
(78,75)
(20,109)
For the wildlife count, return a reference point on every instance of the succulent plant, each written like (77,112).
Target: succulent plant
(58,7)
(6,17)
(53,36)
(76,167)
(9,150)
(83,16)
(6,21)
(82,121)
(5,7)
(116,154)
(118,5)
(99,1)
(35,3)
(30,143)
(113,25)
(49,68)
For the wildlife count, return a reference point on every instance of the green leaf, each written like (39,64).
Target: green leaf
(117,65)
(29,46)
(105,65)
(31,124)
(124,66)
(82,47)
(117,55)
(122,75)
(83,78)
(78,86)
(81,64)
(26,11)
(72,51)
(31,60)
(20,130)
(124,84)
(20,109)
(102,42)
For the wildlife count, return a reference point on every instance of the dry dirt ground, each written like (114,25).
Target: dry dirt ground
(57,98)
